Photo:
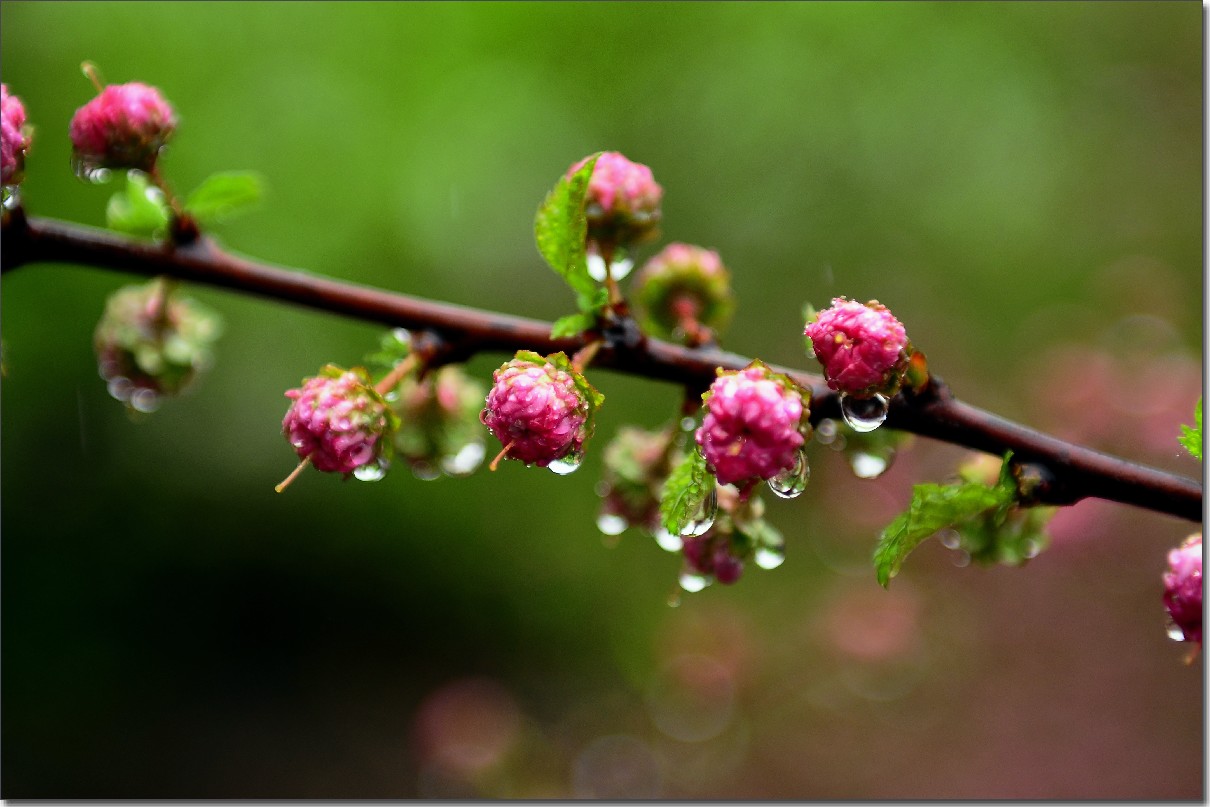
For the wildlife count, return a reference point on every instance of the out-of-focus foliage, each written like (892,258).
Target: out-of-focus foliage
(1020,182)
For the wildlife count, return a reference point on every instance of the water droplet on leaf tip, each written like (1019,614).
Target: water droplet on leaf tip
(668,542)
(791,483)
(703,519)
(611,524)
(864,414)
(950,539)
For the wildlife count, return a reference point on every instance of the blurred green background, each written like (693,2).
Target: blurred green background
(1021,183)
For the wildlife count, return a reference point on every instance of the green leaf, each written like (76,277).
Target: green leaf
(561,230)
(138,209)
(932,508)
(225,195)
(683,494)
(572,325)
(1191,438)
(393,347)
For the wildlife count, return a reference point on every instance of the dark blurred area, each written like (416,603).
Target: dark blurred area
(1020,182)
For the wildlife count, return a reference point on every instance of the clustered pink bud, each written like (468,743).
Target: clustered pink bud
(683,286)
(623,203)
(755,423)
(536,410)
(711,555)
(14,138)
(1183,589)
(338,420)
(123,127)
(862,347)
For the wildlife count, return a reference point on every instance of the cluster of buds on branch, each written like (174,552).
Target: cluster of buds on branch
(691,483)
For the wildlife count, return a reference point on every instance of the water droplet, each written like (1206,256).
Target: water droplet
(371,471)
(1175,633)
(962,559)
(863,414)
(688,423)
(950,539)
(667,541)
(424,471)
(703,519)
(12,197)
(769,557)
(466,461)
(567,465)
(825,432)
(89,171)
(144,400)
(596,267)
(694,582)
(120,388)
(1031,548)
(870,465)
(611,524)
(791,483)
(674,598)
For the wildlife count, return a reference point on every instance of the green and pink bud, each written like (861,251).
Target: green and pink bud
(864,350)
(439,427)
(14,138)
(152,343)
(124,127)
(340,423)
(683,289)
(755,425)
(623,202)
(1183,590)
(540,408)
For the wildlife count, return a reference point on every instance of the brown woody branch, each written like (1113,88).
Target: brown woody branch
(1070,472)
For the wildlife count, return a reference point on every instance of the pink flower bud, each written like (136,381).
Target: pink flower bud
(536,411)
(14,137)
(623,203)
(684,284)
(123,127)
(711,555)
(1183,590)
(339,421)
(862,347)
(756,421)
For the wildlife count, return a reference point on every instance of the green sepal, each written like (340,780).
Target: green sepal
(809,315)
(1191,438)
(224,196)
(934,507)
(139,209)
(687,487)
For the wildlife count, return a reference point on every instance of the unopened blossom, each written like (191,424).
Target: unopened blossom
(14,138)
(862,347)
(536,410)
(754,426)
(684,284)
(711,555)
(1183,588)
(623,202)
(338,421)
(125,126)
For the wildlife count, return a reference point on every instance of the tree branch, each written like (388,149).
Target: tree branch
(1073,472)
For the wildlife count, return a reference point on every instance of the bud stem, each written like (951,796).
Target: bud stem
(585,355)
(611,285)
(391,379)
(93,73)
(293,474)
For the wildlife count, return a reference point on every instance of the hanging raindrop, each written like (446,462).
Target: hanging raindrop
(12,197)
(465,461)
(694,582)
(950,539)
(863,414)
(770,557)
(611,524)
(703,519)
(667,541)
(567,464)
(89,171)
(791,483)
(871,464)
(144,400)
(425,472)
(371,472)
